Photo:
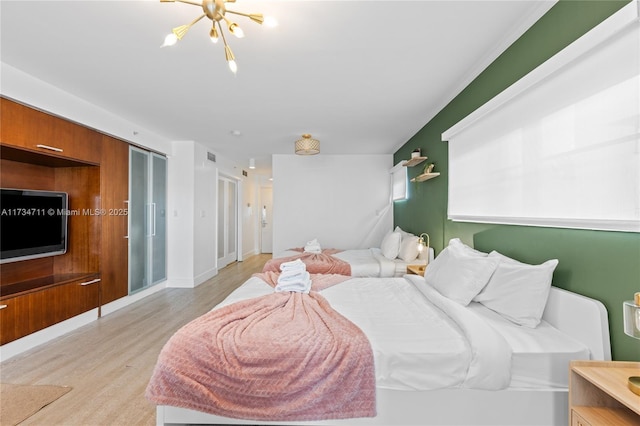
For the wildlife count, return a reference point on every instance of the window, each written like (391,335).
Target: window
(398,182)
(561,147)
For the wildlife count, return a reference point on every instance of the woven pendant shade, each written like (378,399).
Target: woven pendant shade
(307,145)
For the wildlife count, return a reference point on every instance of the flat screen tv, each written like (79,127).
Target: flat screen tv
(32,224)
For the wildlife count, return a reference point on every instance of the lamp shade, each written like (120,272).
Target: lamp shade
(632,317)
(307,145)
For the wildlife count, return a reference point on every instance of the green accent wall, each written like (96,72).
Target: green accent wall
(599,264)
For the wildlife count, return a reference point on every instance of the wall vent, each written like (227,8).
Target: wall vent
(211,156)
(244,173)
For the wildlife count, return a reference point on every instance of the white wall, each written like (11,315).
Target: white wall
(31,91)
(180,221)
(342,200)
(205,215)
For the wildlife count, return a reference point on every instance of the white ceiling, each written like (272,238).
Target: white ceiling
(360,76)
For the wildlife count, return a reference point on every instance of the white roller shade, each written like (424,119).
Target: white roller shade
(562,146)
(398,182)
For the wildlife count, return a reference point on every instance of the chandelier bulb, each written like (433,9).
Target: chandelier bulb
(236,30)
(233,66)
(270,21)
(231,60)
(213,34)
(170,40)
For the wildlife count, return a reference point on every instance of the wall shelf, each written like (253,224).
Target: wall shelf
(414,161)
(425,176)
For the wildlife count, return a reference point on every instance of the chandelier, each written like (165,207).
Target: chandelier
(307,145)
(216,11)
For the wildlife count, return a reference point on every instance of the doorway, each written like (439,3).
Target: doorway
(266,219)
(227,221)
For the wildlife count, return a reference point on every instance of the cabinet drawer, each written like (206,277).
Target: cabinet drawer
(578,420)
(25,314)
(603,416)
(36,131)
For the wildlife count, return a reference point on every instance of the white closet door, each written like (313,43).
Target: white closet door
(147,219)
(227,221)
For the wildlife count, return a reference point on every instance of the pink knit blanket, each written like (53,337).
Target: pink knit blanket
(316,263)
(280,357)
(318,281)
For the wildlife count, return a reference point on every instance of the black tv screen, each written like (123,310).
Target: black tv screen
(32,224)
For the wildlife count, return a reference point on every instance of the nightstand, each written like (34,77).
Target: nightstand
(598,393)
(416,269)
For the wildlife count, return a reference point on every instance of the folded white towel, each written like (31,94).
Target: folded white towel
(300,282)
(313,246)
(293,265)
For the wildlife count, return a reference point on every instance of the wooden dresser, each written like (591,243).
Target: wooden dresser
(598,393)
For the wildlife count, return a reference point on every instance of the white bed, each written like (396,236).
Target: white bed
(368,262)
(392,312)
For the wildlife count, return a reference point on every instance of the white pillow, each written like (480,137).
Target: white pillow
(408,248)
(459,277)
(465,249)
(390,245)
(518,291)
(404,234)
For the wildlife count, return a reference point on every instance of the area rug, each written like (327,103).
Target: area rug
(19,402)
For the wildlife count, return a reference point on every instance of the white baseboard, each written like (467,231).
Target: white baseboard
(192,282)
(127,300)
(11,349)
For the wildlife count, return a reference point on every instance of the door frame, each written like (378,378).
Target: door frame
(220,260)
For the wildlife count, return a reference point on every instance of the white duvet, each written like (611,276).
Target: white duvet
(420,339)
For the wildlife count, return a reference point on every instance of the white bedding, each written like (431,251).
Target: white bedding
(368,262)
(541,355)
(419,347)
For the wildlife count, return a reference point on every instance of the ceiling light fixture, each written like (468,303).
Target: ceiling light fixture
(216,10)
(307,145)
(252,163)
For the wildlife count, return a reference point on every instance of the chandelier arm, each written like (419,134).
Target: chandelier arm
(224,39)
(238,13)
(192,23)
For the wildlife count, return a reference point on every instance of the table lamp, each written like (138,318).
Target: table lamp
(632,328)
(423,247)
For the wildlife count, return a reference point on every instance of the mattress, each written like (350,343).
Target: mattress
(418,347)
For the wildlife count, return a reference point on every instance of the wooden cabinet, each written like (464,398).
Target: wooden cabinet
(37,131)
(42,302)
(93,169)
(599,396)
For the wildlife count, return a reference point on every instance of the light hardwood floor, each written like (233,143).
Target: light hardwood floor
(108,363)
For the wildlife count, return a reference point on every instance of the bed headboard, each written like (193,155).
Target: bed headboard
(581,317)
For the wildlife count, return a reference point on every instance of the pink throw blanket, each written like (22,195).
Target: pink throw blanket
(279,357)
(318,281)
(316,263)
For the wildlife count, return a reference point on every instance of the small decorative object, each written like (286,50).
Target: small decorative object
(429,168)
(632,328)
(415,153)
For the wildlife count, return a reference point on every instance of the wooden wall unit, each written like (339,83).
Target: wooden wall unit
(114,190)
(93,169)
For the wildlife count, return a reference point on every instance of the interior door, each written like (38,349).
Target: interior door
(266,216)
(227,221)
